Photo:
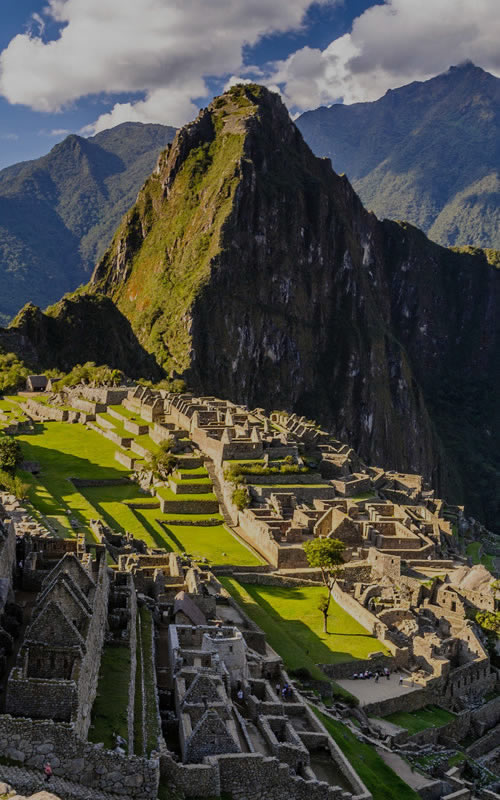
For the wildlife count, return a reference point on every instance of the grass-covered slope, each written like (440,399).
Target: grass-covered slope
(58,213)
(165,248)
(428,153)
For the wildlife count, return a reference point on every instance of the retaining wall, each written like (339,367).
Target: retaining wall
(33,742)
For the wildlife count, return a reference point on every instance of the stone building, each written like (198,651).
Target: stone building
(58,664)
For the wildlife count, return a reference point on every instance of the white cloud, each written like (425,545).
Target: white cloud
(161,49)
(9,137)
(391,45)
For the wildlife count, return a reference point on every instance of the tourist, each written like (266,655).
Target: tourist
(400,680)
(355,676)
(289,692)
(48,771)
(278,689)
(240,695)
(377,676)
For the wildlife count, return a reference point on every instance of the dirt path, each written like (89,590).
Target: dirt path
(403,769)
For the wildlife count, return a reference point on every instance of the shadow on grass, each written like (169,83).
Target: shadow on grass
(54,460)
(158,539)
(297,643)
(172,536)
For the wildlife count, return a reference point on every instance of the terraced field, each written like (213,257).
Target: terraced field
(73,451)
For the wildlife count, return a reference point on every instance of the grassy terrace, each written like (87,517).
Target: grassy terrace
(167,494)
(131,415)
(146,442)
(415,721)
(200,480)
(377,776)
(152,725)
(65,452)
(294,625)
(109,712)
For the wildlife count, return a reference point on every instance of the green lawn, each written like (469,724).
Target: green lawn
(167,494)
(131,415)
(63,452)
(153,527)
(294,625)
(152,725)
(473,550)
(109,712)
(377,776)
(415,721)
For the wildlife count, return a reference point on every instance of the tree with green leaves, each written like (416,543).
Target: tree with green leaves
(325,555)
(10,454)
(163,462)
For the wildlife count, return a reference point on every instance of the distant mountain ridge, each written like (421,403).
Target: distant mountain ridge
(428,153)
(58,213)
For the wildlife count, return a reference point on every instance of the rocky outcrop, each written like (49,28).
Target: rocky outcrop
(78,329)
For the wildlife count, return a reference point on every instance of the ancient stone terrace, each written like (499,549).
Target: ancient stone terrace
(426,629)
(227,708)
(225,431)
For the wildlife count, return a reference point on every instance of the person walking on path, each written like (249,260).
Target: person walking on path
(48,772)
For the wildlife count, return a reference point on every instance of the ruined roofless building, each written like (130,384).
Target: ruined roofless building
(58,663)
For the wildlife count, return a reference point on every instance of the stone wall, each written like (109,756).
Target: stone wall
(53,699)
(485,717)
(255,777)
(7,557)
(109,396)
(370,622)
(91,662)
(194,780)
(261,579)
(33,742)
(133,664)
(413,701)
(346,669)
(485,744)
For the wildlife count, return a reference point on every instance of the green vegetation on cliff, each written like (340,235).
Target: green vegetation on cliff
(172,245)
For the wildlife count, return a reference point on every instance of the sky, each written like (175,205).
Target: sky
(80,66)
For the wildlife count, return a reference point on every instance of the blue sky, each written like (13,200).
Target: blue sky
(84,65)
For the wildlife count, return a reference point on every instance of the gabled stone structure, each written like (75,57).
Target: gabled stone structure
(58,664)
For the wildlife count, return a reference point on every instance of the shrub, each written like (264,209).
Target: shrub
(241,498)
(10,454)
(302,674)
(13,372)
(14,485)
(89,373)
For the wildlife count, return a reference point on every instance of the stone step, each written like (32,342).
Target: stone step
(29,781)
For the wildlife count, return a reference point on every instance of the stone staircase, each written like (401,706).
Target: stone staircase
(217,488)
(29,781)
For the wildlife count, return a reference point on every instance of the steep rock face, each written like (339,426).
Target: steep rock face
(249,266)
(428,152)
(77,329)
